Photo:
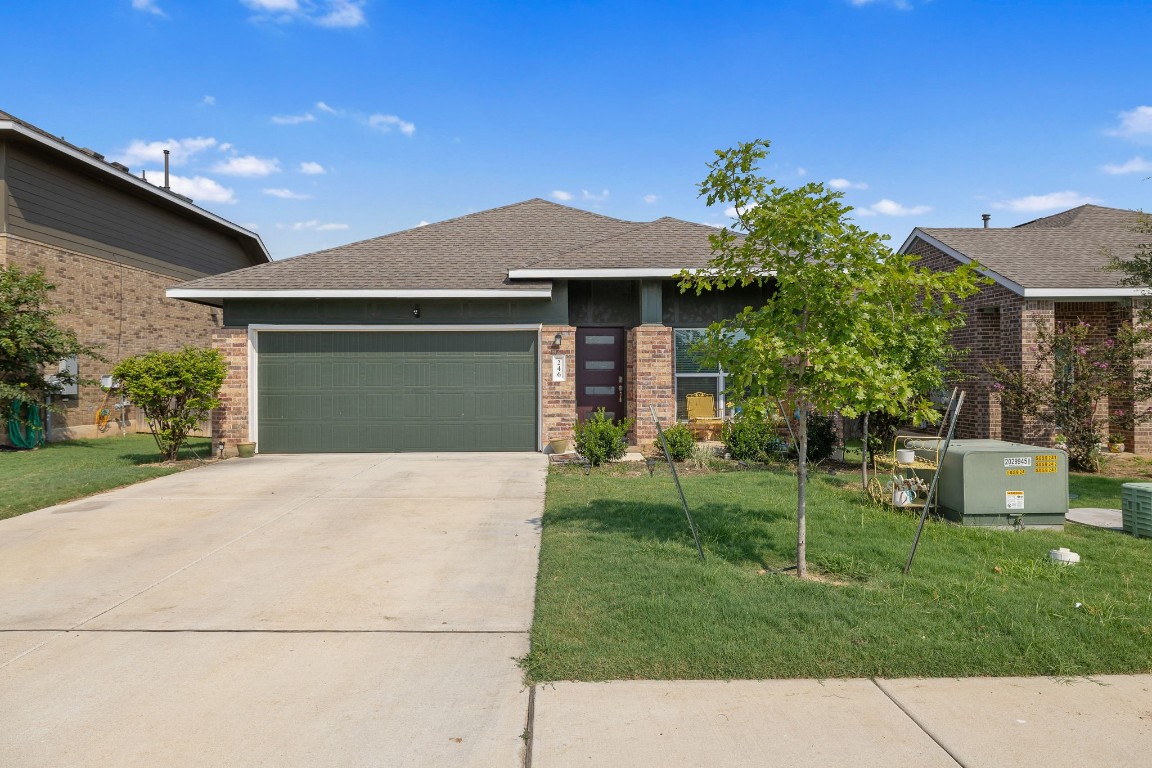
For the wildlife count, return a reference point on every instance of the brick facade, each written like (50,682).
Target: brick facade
(651,381)
(230,420)
(558,398)
(1003,326)
(119,308)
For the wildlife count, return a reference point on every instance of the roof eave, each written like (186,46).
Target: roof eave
(206,295)
(593,274)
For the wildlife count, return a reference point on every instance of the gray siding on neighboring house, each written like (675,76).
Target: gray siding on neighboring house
(54,204)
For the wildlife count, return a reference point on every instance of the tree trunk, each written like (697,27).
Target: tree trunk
(864,452)
(802,491)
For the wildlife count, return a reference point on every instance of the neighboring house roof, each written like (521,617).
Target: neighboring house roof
(510,251)
(115,174)
(1056,256)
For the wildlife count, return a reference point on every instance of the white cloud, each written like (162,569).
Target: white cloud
(651,199)
(593,196)
(286,194)
(312,169)
(307,117)
(801,172)
(208,101)
(387,122)
(423,223)
(200,188)
(147,6)
(316,226)
(334,14)
(846,184)
(140,152)
(888,207)
(1135,165)
(1051,201)
(1134,124)
(903,5)
(248,165)
(325,108)
(561,195)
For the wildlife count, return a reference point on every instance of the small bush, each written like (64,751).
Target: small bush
(704,457)
(750,438)
(599,438)
(680,441)
(822,437)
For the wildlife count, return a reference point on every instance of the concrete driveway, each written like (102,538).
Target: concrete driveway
(358,610)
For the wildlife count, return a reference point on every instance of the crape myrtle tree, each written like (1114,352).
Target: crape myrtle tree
(31,340)
(837,332)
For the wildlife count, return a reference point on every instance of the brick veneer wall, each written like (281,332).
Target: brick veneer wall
(121,308)
(651,381)
(1002,325)
(558,398)
(230,420)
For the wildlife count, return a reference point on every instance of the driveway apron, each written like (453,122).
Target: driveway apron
(359,609)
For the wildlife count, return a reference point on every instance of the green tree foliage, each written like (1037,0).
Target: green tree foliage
(31,341)
(599,438)
(751,437)
(1074,373)
(1137,267)
(836,334)
(175,390)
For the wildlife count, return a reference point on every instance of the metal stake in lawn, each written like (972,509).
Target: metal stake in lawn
(935,478)
(676,477)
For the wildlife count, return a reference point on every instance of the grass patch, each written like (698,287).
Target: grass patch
(622,595)
(69,470)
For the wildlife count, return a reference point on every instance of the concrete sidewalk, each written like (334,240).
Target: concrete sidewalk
(280,611)
(974,723)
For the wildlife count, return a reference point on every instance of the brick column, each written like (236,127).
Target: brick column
(1140,439)
(230,420)
(651,381)
(1021,326)
(558,398)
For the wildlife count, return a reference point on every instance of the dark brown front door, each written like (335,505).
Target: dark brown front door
(601,371)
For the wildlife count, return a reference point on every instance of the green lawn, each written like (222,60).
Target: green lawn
(1096,491)
(622,595)
(69,470)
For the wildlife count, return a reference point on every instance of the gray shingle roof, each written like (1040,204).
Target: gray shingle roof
(475,252)
(1065,251)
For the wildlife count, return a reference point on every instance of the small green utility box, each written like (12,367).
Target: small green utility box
(1136,508)
(1002,484)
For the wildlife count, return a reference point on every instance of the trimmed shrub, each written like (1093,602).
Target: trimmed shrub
(599,438)
(750,438)
(822,437)
(680,442)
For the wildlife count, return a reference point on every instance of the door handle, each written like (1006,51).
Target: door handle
(620,388)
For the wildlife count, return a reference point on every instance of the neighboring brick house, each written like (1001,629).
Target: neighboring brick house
(493,331)
(1045,272)
(111,243)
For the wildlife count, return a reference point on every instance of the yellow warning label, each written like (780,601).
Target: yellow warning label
(1045,470)
(1046,458)
(1017,471)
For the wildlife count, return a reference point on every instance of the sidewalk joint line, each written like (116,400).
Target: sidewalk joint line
(530,727)
(927,731)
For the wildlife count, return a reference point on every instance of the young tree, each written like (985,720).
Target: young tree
(843,305)
(176,391)
(31,341)
(1074,373)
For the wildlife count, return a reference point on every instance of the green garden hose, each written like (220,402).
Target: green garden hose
(26,431)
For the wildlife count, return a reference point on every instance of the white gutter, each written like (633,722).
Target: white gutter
(364,293)
(536,274)
(103,167)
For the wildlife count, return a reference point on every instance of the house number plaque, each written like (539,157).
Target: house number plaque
(559,368)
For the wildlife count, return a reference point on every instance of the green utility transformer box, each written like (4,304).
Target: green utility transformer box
(1136,508)
(996,483)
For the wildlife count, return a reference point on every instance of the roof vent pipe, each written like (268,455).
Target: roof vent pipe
(984,216)
(166,152)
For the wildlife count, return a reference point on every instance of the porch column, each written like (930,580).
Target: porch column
(558,398)
(651,381)
(230,420)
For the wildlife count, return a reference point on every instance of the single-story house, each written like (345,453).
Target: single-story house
(112,244)
(1044,272)
(488,332)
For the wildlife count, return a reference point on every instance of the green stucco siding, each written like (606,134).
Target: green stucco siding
(361,392)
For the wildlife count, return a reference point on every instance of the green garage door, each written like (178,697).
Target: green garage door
(336,391)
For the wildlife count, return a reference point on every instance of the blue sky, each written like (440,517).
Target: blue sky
(321,122)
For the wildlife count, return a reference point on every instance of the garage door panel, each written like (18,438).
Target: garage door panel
(397,391)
